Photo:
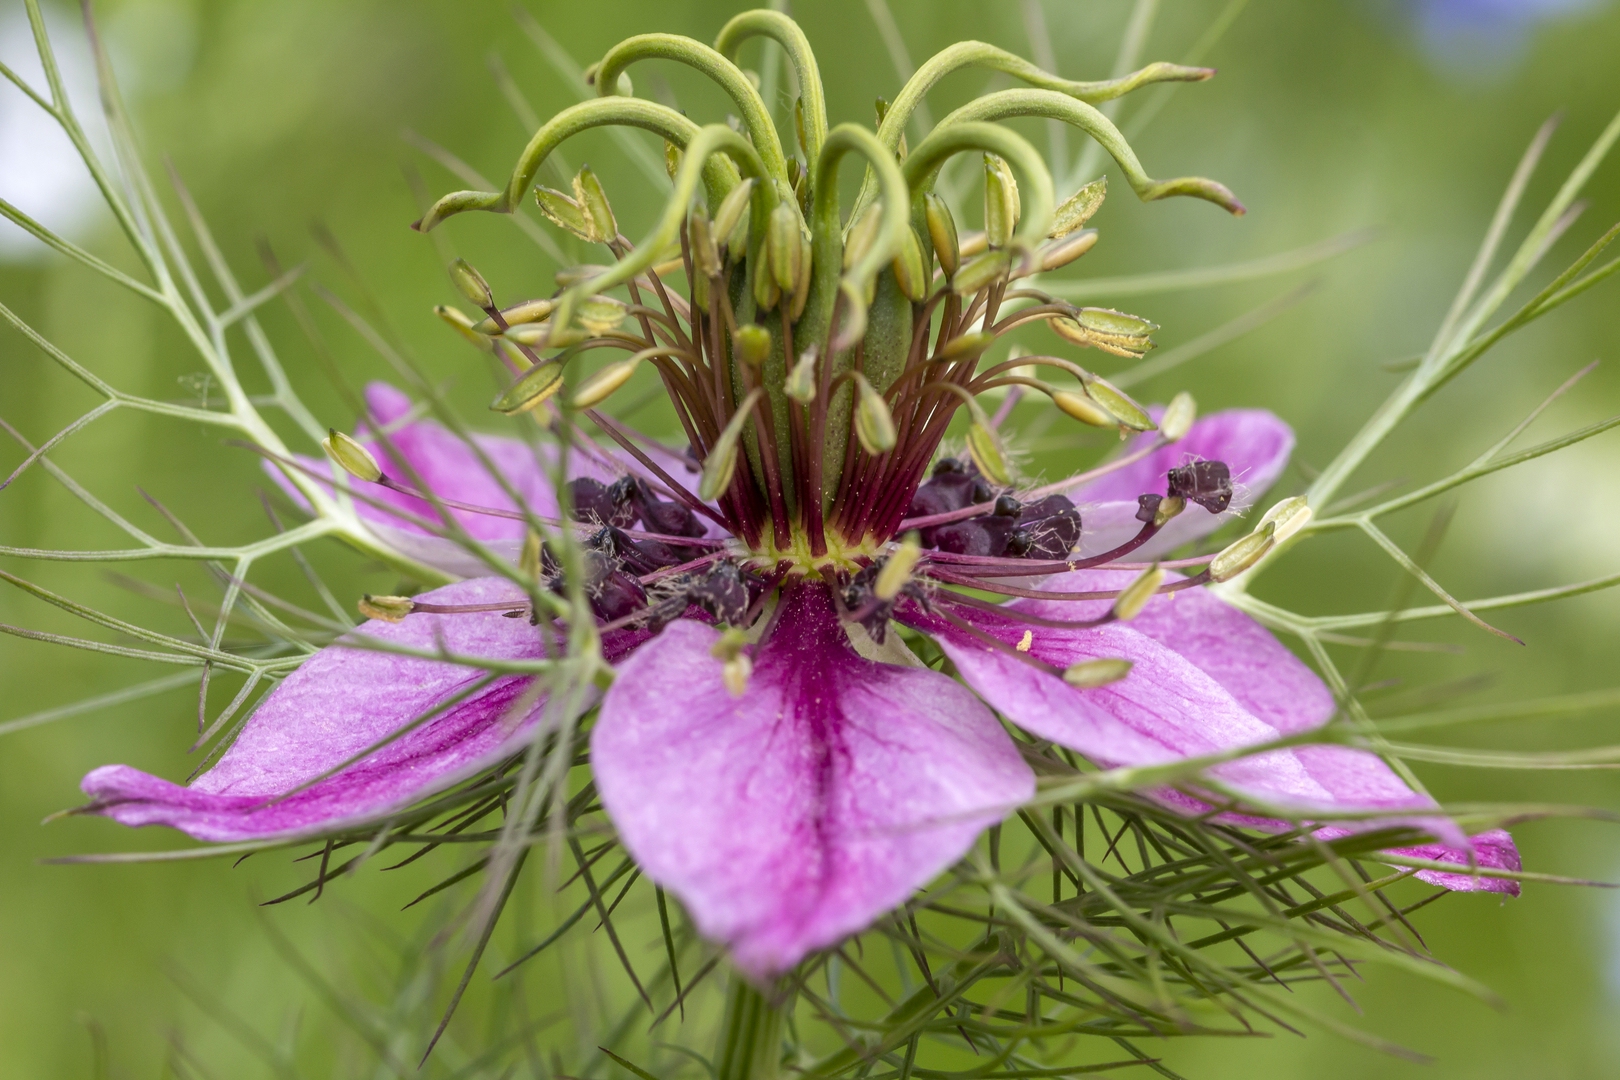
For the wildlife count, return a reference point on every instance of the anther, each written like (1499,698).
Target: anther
(1289,516)
(1244,553)
(531,388)
(1025,642)
(471,283)
(1001,202)
(721,464)
(1093,673)
(593,201)
(1178,417)
(351,456)
(942,233)
(1135,596)
(897,569)
(1077,209)
(387,608)
(801,381)
(736,666)
(731,220)
(874,423)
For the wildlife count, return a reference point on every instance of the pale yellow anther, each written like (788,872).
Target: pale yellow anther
(1135,596)
(351,456)
(1092,673)
(735,664)
(387,608)
(897,570)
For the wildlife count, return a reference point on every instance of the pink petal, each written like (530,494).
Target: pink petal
(450,468)
(338,703)
(1207,678)
(1254,443)
(796,814)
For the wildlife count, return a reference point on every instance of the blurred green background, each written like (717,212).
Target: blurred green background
(1327,118)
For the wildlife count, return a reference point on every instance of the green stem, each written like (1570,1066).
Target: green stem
(751,1035)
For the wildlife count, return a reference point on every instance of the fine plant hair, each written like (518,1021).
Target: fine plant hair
(1090,924)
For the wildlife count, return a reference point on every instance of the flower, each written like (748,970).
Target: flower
(769,749)
(793,814)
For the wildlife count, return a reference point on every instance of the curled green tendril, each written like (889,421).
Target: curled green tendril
(826,229)
(720,174)
(755,116)
(1034,181)
(1009,104)
(786,33)
(710,141)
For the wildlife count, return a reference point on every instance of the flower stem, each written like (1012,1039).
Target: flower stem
(751,1038)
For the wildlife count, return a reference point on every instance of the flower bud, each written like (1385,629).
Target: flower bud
(985,448)
(1082,408)
(736,666)
(862,234)
(1289,516)
(1001,203)
(1093,673)
(351,456)
(1244,553)
(599,314)
(979,272)
(897,570)
(1078,208)
(782,242)
(705,250)
(1134,597)
(721,464)
(1126,411)
(752,344)
(1178,417)
(530,559)
(471,283)
(801,381)
(532,387)
(593,201)
(874,423)
(563,212)
(731,220)
(1060,253)
(942,232)
(910,269)
(386,608)
(609,378)
(461,324)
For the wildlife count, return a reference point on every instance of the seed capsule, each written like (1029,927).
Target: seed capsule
(874,423)
(351,456)
(598,213)
(532,387)
(1093,673)
(387,608)
(942,233)
(471,283)
(1178,417)
(897,570)
(1001,203)
(1135,596)
(1078,208)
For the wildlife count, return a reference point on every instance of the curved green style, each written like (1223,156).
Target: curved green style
(710,140)
(756,118)
(1048,104)
(786,33)
(720,175)
(826,228)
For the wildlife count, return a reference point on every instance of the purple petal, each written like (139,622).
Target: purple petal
(1254,443)
(450,468)
(796,814)
(1207,678)
(338,703)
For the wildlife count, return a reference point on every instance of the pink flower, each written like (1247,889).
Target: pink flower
(793,790)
